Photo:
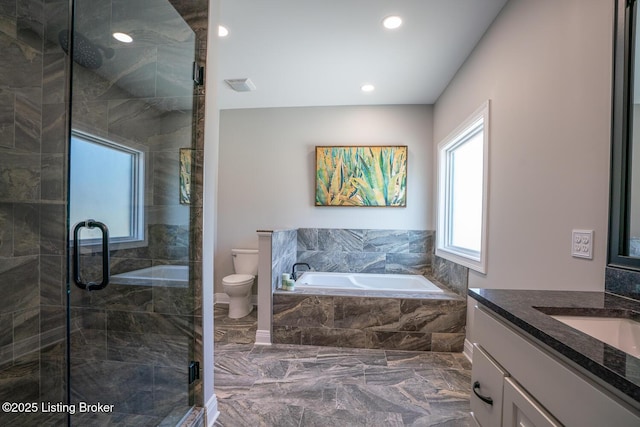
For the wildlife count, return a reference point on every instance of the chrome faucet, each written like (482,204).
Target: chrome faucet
(294,273)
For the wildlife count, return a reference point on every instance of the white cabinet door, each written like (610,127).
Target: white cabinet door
(521,410)
(487,381)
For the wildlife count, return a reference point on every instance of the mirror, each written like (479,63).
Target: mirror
(624,220)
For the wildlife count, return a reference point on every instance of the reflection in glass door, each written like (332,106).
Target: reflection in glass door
(131,297)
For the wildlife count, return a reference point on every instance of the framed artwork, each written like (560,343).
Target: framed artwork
(361,176)
(185,176)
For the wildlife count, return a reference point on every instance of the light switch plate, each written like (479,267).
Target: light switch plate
(582,244)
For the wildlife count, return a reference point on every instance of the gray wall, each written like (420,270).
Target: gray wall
(547,68)
(267,165)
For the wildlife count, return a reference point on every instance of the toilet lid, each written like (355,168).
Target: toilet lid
(235,279)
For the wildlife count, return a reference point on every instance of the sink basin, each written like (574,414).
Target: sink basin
(621,333)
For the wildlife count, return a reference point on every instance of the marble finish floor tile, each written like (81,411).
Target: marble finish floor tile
(292,385)
(238,331)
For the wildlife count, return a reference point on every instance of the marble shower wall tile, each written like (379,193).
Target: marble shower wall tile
(54,118)
(26,232)
(32,169)
(24,271)
(52,177)
(21,173)
(111,380)
(28,124)
(33,149)
(7,123)
(153,23)
(154,349)
(175,68)
(6,229)
(19,176)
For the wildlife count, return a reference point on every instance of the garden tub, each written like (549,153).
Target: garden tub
(159,275)
(321,281)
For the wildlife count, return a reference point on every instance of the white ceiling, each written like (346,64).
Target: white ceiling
(320,52)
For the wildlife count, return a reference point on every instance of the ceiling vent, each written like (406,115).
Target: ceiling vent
(241,85)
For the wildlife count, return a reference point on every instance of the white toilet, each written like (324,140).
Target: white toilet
(238,286)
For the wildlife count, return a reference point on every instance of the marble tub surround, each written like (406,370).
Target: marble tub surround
(290,385)
(283,255)
(403,323)
(455,276)
(524,311)
(366,251)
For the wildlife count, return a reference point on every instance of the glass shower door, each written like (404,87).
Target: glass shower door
(131,291)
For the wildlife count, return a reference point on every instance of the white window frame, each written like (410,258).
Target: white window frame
(474,260)
(137,236)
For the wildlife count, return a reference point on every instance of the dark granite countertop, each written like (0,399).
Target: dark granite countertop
(524,310)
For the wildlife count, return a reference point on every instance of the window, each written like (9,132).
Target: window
(462,192)
(107,182)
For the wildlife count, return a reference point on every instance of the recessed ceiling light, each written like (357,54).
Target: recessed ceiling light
(367,87)
(222,31)
(392,22)
(122,37)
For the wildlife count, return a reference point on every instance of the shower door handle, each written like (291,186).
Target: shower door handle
(77,277)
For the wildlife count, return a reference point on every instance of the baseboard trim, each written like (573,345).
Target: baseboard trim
(263,337)
(211,411)
(468,350)
(222,298)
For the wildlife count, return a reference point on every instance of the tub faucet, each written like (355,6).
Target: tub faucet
(294,273)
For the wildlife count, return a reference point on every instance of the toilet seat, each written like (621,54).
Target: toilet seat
(237,279)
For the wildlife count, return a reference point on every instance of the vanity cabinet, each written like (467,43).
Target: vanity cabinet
(498,400)
(487,380)
(519,382)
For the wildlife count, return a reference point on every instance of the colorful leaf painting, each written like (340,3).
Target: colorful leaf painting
(361,176)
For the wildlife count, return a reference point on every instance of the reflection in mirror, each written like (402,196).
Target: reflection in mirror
(624,218)
(634,134)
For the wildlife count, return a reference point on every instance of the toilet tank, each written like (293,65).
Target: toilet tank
(245,261)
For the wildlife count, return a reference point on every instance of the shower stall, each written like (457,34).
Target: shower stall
(101,142)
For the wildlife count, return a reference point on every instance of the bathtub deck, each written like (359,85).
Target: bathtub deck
(446,295)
